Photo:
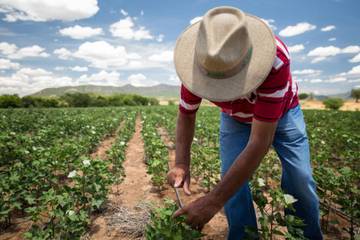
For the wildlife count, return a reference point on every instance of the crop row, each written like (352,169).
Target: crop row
(47,176)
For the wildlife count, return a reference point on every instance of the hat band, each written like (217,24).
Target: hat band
(231,72)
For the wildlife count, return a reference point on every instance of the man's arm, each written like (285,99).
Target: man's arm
(179,176)
(203,209)
(261,137)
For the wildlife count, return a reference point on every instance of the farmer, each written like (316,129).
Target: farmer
(234,60)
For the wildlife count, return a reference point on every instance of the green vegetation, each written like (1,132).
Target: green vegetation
(303,96)
(164,226)
(333,103)
(355,93)
(48,176)
(76,100)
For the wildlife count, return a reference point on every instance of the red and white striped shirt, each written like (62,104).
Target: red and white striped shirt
(269,102)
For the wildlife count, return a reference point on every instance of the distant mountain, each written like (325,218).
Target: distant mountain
(346,95)
(161,90)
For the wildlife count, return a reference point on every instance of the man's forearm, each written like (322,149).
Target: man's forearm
(184,135)
(241,170)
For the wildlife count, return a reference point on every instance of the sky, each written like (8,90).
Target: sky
(57,43)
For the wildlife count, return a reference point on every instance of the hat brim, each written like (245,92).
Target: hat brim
(237,86)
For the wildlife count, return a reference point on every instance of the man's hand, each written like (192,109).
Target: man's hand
(179,176)
(200,211)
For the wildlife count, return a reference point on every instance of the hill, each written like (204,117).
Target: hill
(161,90)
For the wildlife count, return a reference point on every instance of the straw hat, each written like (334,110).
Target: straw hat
(226,55)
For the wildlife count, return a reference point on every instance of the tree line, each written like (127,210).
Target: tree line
(75,100)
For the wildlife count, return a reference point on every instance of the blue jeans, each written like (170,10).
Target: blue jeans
(291,145)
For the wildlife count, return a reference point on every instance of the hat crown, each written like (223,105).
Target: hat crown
(223,41)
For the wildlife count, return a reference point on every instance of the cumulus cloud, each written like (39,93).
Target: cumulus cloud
(165,56)
(336,79)
(160,37)
(355,70)
(27,52)
(123,12)
(328,28)
(13,52)
(195,19)
(297,29)
(322,53)
(140,80)
(355,59)
(45,10)
(296,48)
(316,80)
(79,69)
(309,72)
(126,29)
(101,54)
(270,23)
(101,78)
(28,80)
(332,39)
(351,49)
(7,48)
(7,64)
(63,53)
(79,32)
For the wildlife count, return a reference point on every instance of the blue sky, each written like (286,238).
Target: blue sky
(65,42)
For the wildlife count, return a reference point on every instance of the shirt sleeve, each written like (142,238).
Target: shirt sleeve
(189,103)
(273,94)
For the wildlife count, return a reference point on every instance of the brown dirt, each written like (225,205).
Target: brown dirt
(217,228)
(349,105)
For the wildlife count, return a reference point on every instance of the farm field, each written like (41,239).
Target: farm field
(73,173)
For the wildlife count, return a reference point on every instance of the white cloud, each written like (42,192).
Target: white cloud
(7,64)
(140,80)
(322,53)
(332,39)
(355,70)
(101,54)
(31,51)
(45,10)
(160,37)
(354,80)
(142,12)
(101,78)
(59,68)
(311,72)
(126,29)
(63,53)
(297,29)
(79,32)
(336,79)
(351,49)
(355,59)
(195,19)
(328,28)
(29,80)
(174,80)
(270,23)
(7,48)
(79,69)
(165,56)
(296,48)
(317,80)
(123,12)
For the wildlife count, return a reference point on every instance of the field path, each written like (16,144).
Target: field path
(135,188)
